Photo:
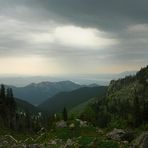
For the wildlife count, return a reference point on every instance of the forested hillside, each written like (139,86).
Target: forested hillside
(71,99)
(125,104)
(19,115)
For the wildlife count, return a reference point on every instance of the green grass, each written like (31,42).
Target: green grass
(108,144)
(85,140)
(63,133)
(83,136)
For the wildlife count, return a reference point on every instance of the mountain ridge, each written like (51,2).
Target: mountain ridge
(35,93)
(70,99)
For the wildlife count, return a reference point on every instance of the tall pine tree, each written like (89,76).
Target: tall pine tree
(65,114)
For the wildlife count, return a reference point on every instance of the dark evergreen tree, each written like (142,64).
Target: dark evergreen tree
(3,107)
(28,122)
(10,107)
(145,112)
(2,91)
(65,114)
(136,109)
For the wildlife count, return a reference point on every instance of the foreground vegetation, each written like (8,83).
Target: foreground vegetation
(62,137)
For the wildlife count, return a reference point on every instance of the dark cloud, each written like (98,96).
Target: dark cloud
(118,18)
(112,14)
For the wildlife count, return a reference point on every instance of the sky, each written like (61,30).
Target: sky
(46,37)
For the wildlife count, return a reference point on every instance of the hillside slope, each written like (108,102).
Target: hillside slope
(71,99)
(128,88)
(26,107)
(77,110)
(125,104)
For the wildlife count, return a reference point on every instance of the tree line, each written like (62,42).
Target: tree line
(15,118)
(7,107)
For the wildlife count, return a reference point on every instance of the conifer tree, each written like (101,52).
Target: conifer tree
(136,109)
(2,91)
(65,114)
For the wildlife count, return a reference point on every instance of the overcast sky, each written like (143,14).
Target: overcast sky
(43,37)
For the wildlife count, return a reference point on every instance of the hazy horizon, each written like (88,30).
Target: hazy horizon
(100,79)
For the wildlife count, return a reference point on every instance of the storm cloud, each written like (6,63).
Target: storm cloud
(74,36)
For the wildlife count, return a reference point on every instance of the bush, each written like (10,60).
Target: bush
(118,122)
(144,127)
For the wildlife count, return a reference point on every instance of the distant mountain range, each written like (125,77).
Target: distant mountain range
(101,79)
(71,99)
(54,96)
(37,93)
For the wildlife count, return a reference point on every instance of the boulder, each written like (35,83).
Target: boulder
(61,124)
(99,131)
(53,142)
(128,136)
(141,141)
(72,126)
(69,143)
(121,135)
(82,123)
(116,134)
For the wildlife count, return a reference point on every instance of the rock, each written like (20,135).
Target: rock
(78,120)
(99,131)
(72,125)
(125,142)
(61,124)
(128,136)
(83,124)
(69,143)
(121,135)
(141,141)
(116,134)
(59,141)
(53,142)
